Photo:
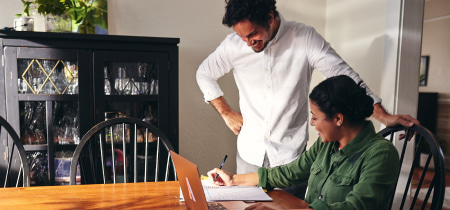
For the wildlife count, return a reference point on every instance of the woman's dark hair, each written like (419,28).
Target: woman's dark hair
(256,11)
(341,94)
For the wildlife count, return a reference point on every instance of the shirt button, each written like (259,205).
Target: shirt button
(269,86)
(340,182)
(320,197)
(335,163)
(267,69)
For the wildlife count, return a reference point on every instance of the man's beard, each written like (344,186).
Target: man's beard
(262,49)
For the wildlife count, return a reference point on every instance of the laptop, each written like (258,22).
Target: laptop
(192,188)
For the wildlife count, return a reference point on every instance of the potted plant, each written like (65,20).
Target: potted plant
(23,22)
(86,14)
(57,19)
(83,14)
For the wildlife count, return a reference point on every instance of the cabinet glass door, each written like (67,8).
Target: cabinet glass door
(44,98)
(47,76)
(133,85)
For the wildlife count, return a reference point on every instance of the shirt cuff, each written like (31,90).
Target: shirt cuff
(262,175)
(209,97)
(318,205)
(376,99)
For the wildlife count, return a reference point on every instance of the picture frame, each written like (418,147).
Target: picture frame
(423,72)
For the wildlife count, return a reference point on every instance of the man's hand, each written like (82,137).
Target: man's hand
(233,119)
(391,120)
(405,120)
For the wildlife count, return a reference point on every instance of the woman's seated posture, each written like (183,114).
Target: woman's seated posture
(348,167)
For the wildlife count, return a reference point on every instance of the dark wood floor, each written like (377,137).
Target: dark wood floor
(428,176)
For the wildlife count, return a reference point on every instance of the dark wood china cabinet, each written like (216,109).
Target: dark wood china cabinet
(55,86)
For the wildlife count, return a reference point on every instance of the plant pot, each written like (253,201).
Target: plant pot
(58,23)
(24,24)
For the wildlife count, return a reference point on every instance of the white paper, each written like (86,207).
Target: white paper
(233,193)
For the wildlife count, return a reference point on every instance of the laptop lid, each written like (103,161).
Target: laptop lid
(192,188)
(190,182)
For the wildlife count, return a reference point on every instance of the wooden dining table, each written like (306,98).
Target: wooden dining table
(150,195)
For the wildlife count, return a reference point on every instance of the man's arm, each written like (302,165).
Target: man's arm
(387,119)
(232,118)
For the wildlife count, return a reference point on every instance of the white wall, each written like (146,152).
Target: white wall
(436,44)
(204,137)
(8,10)
(354,28)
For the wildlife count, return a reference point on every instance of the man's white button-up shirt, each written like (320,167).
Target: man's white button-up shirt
(273,88)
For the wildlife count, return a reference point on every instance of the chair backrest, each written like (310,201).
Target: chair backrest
(17,171)
(122,150)
(424,140)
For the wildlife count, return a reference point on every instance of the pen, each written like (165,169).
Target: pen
(223,161)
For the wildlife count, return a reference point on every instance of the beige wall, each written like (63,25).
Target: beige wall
(204,137)
(436,44)
(357,29)
(354,28)
(8,10)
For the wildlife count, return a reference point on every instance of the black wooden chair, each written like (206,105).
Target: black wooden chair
(423,140)
(122,150)
(15,170)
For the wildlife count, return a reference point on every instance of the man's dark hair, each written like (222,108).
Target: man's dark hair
(256,11)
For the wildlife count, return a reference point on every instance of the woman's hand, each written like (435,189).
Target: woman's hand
(224,178)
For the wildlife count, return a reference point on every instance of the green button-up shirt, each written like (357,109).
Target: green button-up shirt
(362,175)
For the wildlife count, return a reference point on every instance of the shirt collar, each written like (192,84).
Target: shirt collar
(359,142)
(281,28)
(279,32)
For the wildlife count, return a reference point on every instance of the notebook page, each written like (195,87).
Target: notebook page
(233,193)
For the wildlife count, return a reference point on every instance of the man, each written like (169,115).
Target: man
(272,61)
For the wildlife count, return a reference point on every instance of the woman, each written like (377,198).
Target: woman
(348,167)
